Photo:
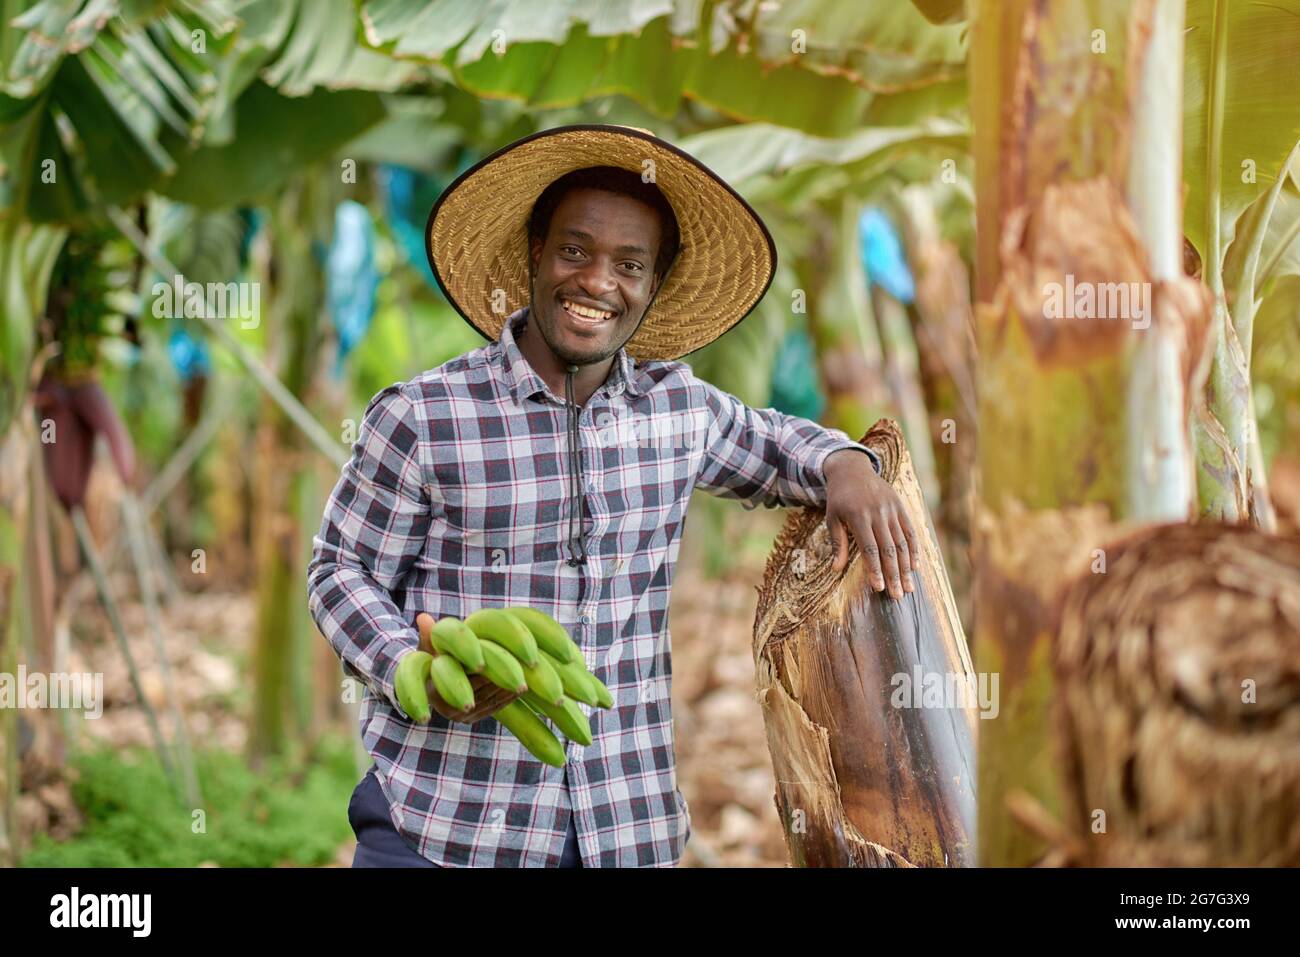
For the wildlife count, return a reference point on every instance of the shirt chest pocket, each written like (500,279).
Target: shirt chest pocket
(497,525)
(647,483)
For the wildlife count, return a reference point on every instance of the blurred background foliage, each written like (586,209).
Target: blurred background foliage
(299,146)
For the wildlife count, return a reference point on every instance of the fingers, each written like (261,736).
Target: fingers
(888,557)
(488,699)
(840,540)
(493,698)
(487,706)
(870,553)
(913,547)
(904,554)
(424,621)
(439,705)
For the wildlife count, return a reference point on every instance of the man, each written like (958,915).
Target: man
(552,468)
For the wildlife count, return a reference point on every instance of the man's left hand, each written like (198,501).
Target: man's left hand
(858,499)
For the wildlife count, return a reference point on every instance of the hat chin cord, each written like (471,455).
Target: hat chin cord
(578,555)
(577,550)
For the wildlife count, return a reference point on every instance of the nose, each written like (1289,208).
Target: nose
(597,278)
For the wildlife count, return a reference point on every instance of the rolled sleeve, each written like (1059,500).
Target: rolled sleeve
(375,525)
(820,465)
(765,457)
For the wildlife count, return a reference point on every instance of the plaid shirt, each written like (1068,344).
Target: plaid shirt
(454,499)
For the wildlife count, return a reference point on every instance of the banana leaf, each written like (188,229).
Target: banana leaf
(660,52)
(1261,118)
(96,102)
(277,135)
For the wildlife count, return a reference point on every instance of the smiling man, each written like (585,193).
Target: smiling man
(506,476)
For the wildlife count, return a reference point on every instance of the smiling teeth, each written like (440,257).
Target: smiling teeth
(586,313)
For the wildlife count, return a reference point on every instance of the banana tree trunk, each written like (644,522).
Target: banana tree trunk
(873,751)
(1221,465)
(282,675)
(27,257)
(15,446)
(277,544)
(946,349)
(1177,702)
(844,331)
(1089,345)
(903,376)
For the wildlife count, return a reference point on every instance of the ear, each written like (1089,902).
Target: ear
(534,255)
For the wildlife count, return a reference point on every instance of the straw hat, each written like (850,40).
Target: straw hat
(477,236)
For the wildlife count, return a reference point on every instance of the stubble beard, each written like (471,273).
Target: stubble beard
(545,328)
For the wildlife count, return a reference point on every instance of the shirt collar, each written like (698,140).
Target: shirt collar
(524,382)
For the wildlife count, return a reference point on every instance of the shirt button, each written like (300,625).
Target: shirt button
(586,618)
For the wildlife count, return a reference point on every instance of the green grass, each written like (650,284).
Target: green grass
(287,812)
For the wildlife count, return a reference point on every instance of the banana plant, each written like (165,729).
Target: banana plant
(27,257)
(98,98)
(1241,131)
(1082,424)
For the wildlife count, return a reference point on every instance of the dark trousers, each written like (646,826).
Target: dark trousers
(379,844)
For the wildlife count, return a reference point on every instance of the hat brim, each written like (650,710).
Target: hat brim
(477,236)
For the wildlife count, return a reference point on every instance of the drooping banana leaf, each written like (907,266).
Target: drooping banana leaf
(1261,244)
(276,136)
(739,152)
(91,90)
(324,49)
(789,168)
(1275,373)
(27,257)
(1261,114)
(890,45)
(744,60)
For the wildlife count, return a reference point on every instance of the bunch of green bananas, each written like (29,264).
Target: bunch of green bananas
(520,649)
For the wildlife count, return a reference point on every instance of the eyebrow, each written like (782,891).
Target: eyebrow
(625,249)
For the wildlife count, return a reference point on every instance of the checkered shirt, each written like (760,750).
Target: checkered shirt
(454,499)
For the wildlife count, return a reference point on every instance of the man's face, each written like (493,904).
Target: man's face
(593,277)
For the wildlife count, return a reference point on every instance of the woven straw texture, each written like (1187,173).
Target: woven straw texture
(478,237)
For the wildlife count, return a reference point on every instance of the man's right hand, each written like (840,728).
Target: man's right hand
(488,698)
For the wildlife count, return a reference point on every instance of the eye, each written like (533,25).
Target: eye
(571,250)
(635,266)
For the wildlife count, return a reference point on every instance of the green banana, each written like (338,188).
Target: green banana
(494,624)
(408,683)
(568,717)
(543,680)
(452,637)
(550,634)
(576,680)
(502,668)
(602,692)
(450,680)
(531,732)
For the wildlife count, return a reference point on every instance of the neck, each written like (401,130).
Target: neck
(553,369)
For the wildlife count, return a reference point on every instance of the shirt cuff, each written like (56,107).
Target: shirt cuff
(383,682)
(819,465)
